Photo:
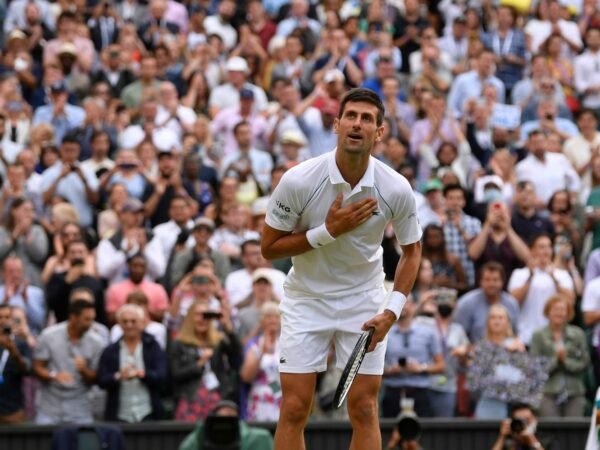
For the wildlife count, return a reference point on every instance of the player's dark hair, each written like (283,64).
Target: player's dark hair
(363,95)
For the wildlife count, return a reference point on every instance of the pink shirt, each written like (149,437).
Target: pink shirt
(116,295)
(85,52)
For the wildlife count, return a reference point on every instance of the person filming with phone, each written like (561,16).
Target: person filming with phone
(204,362)
(519,432)
(414,353)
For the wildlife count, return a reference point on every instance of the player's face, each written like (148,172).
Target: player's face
(357,129)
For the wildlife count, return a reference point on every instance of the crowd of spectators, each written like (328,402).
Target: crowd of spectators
(139,142)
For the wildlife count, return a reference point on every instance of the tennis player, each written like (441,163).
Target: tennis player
(329,213)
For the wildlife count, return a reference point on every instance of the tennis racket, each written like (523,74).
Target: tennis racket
(352,366)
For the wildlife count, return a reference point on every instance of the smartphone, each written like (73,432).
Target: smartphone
(402,361)
(210,315)
(78,262)
(127,166)
(6,330)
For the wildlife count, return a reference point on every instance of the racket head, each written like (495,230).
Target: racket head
(352,366)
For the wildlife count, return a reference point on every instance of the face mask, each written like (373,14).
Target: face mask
(445,310)
(491,195)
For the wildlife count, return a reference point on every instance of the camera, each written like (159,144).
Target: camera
(221,432)
(517,426)
(6,330)
(409,427)
(78,262)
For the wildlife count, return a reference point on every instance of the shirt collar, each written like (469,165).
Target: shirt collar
(367,180)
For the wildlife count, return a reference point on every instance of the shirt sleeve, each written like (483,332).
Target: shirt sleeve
(590,300)
(517,279)
(284,208)
(42,349)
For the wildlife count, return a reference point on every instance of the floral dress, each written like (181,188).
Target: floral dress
(264,394)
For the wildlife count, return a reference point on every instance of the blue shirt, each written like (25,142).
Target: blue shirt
(72,188)
(513,44)
(562,125)
(469,85)
(320,139)
(418,343)
(472,310)
(288,25)
(34,306)
(73,117)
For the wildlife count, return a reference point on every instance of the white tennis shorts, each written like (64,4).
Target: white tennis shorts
(309,326)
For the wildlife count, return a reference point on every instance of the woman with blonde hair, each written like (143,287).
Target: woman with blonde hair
(204,362)
(498,332)
(566,347)
(261,367)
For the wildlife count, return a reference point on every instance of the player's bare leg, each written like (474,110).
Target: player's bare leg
(298,390)
(363,412)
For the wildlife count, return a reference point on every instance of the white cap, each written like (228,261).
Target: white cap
(275,43)
(237,64)
(333,75)
(293,137)
(262,274)
(482,182)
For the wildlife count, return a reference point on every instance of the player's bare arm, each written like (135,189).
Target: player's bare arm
(277,244)
(406,273)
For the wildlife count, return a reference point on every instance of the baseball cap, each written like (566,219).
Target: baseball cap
(132,205)
(262,274)
(236,64)
(67,49)
(333,75)
(204,222)
(58,86)
(433,185)
(246,93)
(293,137)
(225,404)
(16,34)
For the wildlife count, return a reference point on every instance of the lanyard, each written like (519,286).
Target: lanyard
(505,45)
(443,337)
(3,361)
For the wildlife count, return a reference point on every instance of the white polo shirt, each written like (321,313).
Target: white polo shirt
(353,263)
(542,287)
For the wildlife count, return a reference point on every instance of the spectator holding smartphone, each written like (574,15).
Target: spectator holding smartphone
(204,362)
(413,354)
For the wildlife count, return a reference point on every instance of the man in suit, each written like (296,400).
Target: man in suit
(112,71)
(104,29)
(153,31)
